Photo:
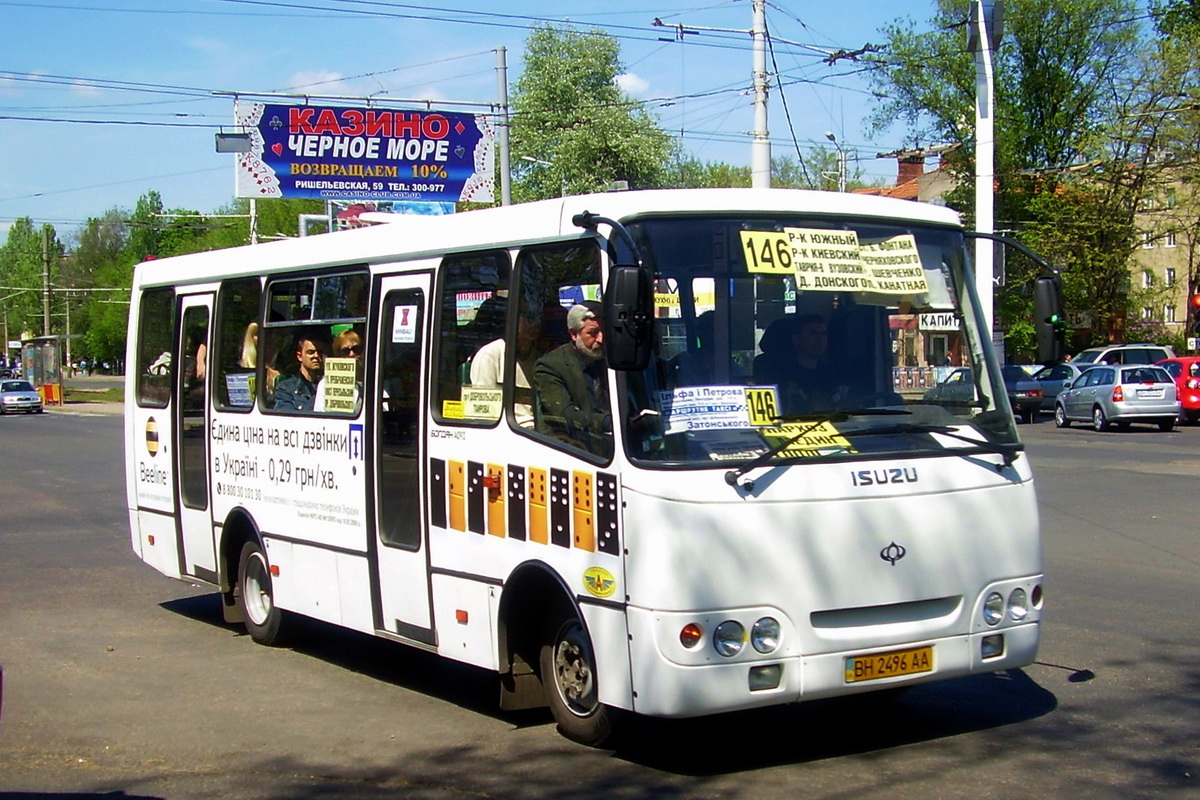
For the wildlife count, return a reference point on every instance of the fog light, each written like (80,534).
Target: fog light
(767,677)
(992,646)
(691,635)
(993,609)
(1018,605)
(765,635)
(729,638)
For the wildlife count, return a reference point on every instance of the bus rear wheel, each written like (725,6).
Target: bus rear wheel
(263,620)
(568,670)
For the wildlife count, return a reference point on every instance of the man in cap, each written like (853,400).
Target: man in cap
(572,384)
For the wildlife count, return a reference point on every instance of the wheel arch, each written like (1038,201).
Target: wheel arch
(238,529)
(533,595)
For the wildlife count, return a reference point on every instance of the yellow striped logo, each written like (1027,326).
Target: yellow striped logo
(152,436)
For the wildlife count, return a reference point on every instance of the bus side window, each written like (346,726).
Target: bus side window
(237,343)
(313,343)
(472,322)
(154,368)
(559,285)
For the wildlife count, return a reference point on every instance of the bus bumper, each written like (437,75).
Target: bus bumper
(664,686)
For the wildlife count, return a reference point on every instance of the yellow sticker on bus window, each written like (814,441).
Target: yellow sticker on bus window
(812,439)
(482,403)
(452,409)
(768,252)
(895,265)
(763,404)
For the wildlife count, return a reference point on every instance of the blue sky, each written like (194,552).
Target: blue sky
(71,70)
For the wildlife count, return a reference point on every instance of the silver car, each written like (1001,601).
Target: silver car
(1118,395)
(17,395)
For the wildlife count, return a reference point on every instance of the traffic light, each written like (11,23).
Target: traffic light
(1194,312)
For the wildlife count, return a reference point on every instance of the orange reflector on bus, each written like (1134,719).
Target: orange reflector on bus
(150,540)
(461,616)
(274,571)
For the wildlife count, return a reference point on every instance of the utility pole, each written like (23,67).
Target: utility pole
(983,37)
(505,153)
(45,281)
(760,161)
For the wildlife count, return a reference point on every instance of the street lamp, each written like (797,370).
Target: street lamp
(542,163)
(841,172)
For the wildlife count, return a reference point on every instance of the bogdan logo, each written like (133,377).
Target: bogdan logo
(152,436)
(599,581)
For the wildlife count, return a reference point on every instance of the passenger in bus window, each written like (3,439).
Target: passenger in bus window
(487,367)
(794,358)
(572,385)
(298,392)
(347,344)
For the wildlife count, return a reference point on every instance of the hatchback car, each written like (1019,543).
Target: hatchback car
(1118,395)
(1024,393)
(1186,372)
(17,396)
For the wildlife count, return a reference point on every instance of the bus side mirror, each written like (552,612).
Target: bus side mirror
(628,318)
(1050,325)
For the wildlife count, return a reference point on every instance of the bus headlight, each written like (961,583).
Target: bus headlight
(764,636)
(729,638)
(993,609)
(1018,605)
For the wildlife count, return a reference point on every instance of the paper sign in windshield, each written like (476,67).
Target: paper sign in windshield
(814,439)
(895,265)
(836,261)
(703,408)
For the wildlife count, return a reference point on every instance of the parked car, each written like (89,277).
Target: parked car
(1024,393)
(1140,353)
(1054,378)
(1118,395)
(1186,372)
(17,395)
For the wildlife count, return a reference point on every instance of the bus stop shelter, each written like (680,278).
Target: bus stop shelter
(41,365)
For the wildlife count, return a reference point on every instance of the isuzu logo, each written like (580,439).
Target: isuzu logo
(892,553)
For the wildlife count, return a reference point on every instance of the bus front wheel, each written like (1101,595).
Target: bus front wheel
(568,667)
(264,622)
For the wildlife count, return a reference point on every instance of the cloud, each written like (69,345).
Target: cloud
(631,84)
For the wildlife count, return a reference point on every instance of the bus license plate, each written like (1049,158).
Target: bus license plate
(888,665)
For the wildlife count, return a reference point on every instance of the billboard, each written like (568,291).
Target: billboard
(337,153)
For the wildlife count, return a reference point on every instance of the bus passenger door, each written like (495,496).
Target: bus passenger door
(402,553)
(197,555)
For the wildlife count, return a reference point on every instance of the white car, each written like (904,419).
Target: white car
(19,395)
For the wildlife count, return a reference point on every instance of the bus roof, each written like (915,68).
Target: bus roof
(408,237)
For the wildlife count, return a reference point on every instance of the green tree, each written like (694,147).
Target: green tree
(101,271)
(1068,77)
(23,258)
(570,116)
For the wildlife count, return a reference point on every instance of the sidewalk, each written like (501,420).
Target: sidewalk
(86,407)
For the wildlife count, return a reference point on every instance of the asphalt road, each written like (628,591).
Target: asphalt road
(121,683)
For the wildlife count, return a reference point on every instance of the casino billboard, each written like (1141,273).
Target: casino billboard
(336,153)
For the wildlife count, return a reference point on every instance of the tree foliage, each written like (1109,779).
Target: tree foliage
(570,117)
(24,259)
(1071,151)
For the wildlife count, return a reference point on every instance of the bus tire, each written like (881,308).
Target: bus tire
(568,669)
(262,618)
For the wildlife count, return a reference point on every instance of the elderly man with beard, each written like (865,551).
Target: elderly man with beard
(572,385)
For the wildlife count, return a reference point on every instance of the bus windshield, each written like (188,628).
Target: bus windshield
(810,338)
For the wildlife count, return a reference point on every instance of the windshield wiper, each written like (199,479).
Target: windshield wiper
(817,420)
(1007,451)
